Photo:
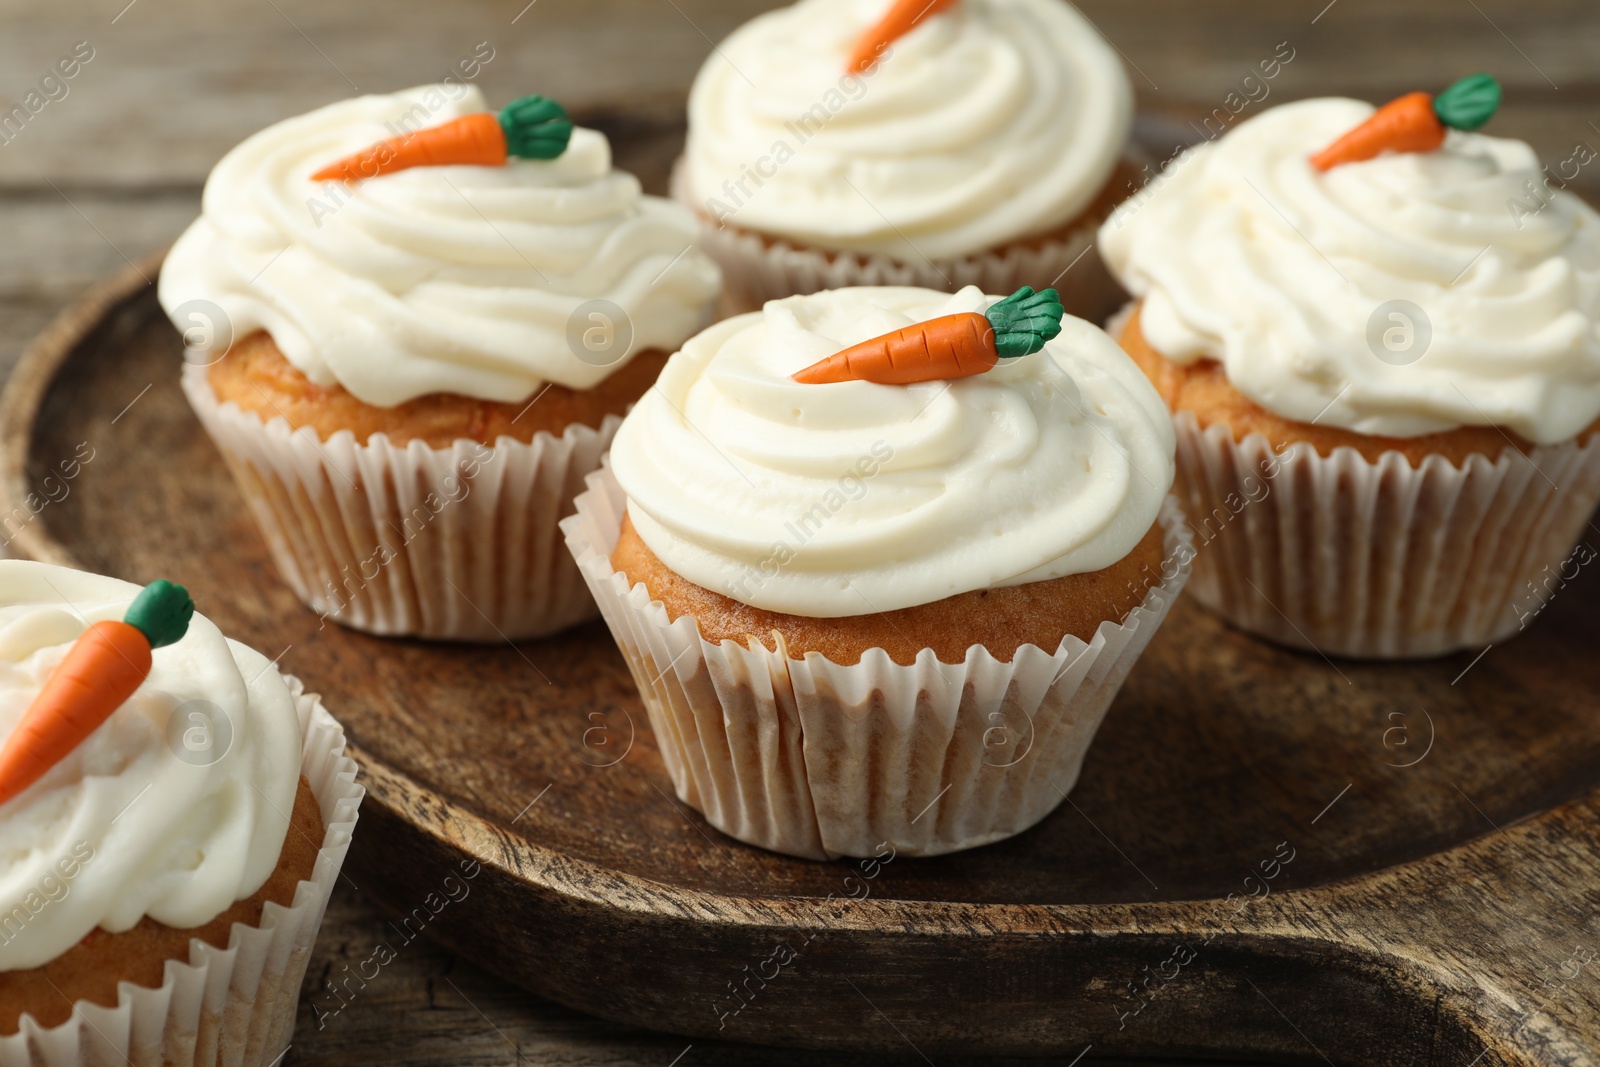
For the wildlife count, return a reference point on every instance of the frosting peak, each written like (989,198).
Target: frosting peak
(1403,295)
(454,279)
(853,498)
(146,817)
(990,121)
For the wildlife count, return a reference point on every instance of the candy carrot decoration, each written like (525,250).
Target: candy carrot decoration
(951,346)
(903,16)
(100,672)
(530,128)
(1415,122)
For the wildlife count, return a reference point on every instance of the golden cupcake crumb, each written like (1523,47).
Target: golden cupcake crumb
(91,969)
(1202,389)
(1002,620)
(256,376)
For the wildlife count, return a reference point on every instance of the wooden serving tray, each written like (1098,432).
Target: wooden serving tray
(1269,854)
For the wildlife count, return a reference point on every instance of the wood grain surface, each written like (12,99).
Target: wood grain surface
(1421,911)
(114,170)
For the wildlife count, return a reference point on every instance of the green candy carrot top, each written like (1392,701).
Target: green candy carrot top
(532,127)
(951,346)
(1416,122)
(108,662)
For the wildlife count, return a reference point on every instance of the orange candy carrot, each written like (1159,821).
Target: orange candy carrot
(470,139)
(108,662)
(530,128)
(1407,124)
(951,346)
(1415,122)
(902,17)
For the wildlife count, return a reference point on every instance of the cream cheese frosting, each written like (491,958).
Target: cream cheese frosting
(144,818)
(458,279)
(994,120)
(854,498)
(1246,254)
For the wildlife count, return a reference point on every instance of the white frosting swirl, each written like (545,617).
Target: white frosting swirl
(994,120)
(457,279)
(1245,253)
(124,828)
(854,498)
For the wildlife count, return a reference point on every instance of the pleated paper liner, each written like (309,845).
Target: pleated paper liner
(458,543)
(234,1006)
(1348,557)
(759,267)
(814,759)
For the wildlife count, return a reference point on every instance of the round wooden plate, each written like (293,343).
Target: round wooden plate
(1269,854)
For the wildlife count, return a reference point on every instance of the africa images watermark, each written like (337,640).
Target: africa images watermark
(1541,192)
(741,994)
(1253,89)
(1255,486)
(53,489)
(851,486)
(53,888)
(810,122)
(51,88)
(1398,333)
(1572,968)
(1140,994)
(452,87)
(1549,583)
(453,489)
(327,1002)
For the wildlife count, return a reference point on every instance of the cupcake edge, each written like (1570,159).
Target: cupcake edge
(1381,559)
(759,267)
(233,1005)
(818,760)
(1445,575)
(356,529)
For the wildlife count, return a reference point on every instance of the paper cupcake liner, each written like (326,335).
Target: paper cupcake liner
(458,543)
(1349,557)
(814,759)
(757,268)
(234,1006)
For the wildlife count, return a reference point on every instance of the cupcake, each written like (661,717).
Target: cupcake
(1382,353)
(837,143)
(173,812)
(867,605)
(411,362)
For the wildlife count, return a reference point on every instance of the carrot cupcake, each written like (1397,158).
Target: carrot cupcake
(888,597)
(980,142)
(173,813)
(1378,332)
(414,327)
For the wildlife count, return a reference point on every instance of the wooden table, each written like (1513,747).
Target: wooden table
(114,170)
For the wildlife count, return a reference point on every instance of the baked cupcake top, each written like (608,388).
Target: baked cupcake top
(1245,252)
(853,498)
(175,808)
(449,279)
(990,121)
